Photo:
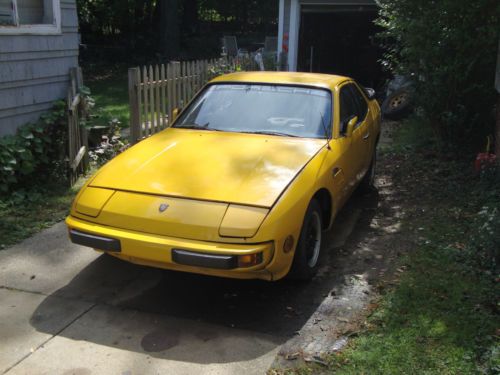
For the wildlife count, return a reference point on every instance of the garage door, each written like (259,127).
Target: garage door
(338,38)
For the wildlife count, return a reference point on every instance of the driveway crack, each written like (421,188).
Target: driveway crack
(51,337)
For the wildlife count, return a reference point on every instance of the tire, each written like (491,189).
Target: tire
(397,105)
(306,258)
(367,184)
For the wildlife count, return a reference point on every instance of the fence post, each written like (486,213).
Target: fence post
(176,66)
(170,95)
(135,118)
(84,133)
(163,80)
(71,135)
(157,84)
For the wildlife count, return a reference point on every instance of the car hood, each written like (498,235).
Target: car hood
(248,169)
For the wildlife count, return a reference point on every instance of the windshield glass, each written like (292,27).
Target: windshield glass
(265,109)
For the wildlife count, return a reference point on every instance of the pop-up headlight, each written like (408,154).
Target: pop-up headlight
(242,221)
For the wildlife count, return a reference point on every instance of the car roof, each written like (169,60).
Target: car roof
(327,81)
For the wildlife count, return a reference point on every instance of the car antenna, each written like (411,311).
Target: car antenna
(326,131)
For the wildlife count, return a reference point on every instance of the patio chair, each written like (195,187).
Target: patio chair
(271,45)
(230,47)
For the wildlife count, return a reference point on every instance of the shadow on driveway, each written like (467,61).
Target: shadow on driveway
(181,316)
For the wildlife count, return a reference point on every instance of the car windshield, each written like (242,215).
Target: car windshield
(262,109)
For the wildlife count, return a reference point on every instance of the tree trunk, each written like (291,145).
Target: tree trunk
(243,15)
(497,135)
(190,21)
(138,17)
(497,87)
(169,28)
(148,17)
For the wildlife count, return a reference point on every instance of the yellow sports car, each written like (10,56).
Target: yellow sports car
(242,184)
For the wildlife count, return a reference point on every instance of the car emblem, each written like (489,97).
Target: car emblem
(163,207)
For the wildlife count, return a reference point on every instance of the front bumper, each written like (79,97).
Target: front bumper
(203,257)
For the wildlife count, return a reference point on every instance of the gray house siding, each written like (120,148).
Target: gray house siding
(34,70)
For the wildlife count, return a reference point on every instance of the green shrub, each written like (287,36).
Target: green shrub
(482,251)
(449,47)
(36,151)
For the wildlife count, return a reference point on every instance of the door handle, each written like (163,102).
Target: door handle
(367,135)
(335,171)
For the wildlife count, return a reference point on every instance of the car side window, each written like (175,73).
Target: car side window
(348,107)
(362,106)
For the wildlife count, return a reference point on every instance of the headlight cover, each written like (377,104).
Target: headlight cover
(242,221)
(91,201)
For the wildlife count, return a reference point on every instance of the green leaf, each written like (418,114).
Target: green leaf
(26,155)
(28,135)
(39,128)
(26,168)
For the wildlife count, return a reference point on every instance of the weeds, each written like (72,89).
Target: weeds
(32,209)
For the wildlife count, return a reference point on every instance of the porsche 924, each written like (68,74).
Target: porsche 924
(242,184)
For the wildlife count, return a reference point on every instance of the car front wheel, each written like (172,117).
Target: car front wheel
(306,259)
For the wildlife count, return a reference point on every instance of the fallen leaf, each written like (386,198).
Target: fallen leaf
(292,356)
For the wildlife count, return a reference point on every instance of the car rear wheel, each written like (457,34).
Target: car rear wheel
(306,259)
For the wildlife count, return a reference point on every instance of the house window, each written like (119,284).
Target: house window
(30,17)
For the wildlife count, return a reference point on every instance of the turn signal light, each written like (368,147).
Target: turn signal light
(288,244)
(249,260)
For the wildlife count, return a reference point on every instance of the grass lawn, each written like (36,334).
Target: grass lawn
(110,92)
(439,319)
(27,212)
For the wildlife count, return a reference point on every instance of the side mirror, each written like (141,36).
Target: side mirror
(370,93)
(350,126)
(175,114)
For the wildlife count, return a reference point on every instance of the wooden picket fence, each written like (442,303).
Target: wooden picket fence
(77,134)
(154,91)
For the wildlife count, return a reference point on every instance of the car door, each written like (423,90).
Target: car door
(365,125)
(351,106)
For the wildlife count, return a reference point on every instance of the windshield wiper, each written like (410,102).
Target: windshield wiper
(198,127)
(268,132)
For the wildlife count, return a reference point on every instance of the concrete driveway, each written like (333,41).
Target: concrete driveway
(69,310)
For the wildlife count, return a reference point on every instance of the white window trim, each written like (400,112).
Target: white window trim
(281,25)
(293,42)
(43,29)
